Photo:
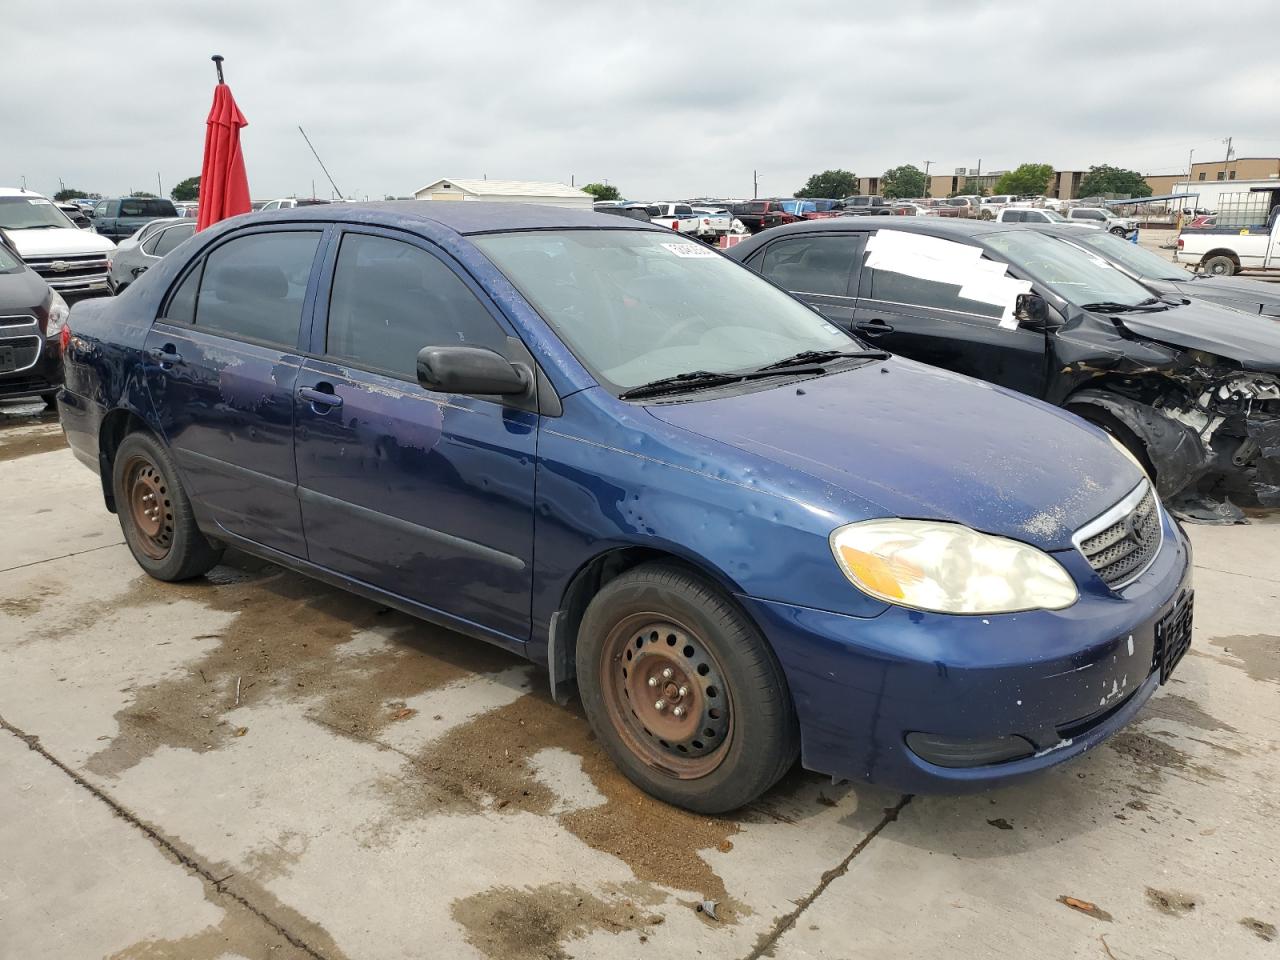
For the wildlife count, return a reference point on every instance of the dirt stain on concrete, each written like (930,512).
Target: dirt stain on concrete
(40,439)
(484,765)
(284,642)
(28,606)
(1171,902)
(1259,928)
(1171,706)
(1258,654)
(1154,757)
(235,936)
(535,923)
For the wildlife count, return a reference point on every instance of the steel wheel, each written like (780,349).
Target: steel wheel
(666,696)
(150,506)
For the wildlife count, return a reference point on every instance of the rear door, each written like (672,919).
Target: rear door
(427,495)
(223,367)
(928,320)
(819,269)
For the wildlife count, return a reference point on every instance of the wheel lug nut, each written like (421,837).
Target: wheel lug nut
(653,681)
(667,673)
(678,711)
(683,691)
(660,705)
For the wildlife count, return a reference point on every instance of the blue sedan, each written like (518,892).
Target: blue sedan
(743,535)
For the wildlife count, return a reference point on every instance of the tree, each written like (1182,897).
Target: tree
(830,184)
(188,189)
(71,193)
(1030,179)
(602,191)
(141,193)
(1106,179)
(903,181)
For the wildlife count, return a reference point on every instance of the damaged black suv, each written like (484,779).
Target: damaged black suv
(1191,388)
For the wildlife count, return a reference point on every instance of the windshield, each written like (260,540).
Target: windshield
(1054,217)
(25,213)
(637,306)
(1076,276)
(8,262)
(1144,263)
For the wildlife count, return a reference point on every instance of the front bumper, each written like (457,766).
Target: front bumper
(1064,680)
(41,376)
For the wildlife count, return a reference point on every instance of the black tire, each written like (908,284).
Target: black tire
(50,399)
(1219,266)
(1119,232)
(177,550)
(1110,423)
(762,738)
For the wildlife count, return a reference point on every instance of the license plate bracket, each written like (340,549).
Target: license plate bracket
(1173,636)
(8,360)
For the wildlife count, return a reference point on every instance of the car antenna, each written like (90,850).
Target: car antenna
(319,161)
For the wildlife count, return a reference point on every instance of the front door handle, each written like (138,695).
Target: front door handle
(873,328)
(166,356)
(321,397)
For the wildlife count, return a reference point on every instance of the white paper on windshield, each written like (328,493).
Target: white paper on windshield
(39,200)
(689,250)
(943,261)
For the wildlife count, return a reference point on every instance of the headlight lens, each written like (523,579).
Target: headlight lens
(948,568)
(58,311)
(1127,452)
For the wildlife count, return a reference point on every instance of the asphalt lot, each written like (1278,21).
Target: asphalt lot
(257,766)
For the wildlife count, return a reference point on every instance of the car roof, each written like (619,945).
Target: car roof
(465,217)
(19,192)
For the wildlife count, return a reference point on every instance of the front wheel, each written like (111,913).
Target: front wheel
(1219,266)
(1119,231)
(155,513)
(683,692)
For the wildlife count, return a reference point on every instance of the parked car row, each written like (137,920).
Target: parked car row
(745,533)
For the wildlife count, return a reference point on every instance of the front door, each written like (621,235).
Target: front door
(222,368)
(426,495)
(908,305)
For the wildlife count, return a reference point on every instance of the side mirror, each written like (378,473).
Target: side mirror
(471,371)
(1031,309)
(138,271)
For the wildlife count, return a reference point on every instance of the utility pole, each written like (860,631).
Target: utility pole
(62,187)
(1227,162)
(755,184)
(1191,153)
(927,165)
(159,188)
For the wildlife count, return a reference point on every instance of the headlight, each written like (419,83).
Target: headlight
(1127,452)
(58,311)
(948,568)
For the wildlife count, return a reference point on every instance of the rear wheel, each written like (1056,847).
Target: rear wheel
(1119,231)
(683,692)
(155,513)
(1220,266)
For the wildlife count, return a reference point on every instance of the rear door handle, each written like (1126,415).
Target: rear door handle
(873,328)
(166,355)
(320,398)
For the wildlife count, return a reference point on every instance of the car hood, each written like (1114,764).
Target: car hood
(920,442)
(1241,293)
(21,292)
(58,241)
(1252,341)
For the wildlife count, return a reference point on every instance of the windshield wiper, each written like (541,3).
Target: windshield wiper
(38,226)
(822,356)
(698,379)
(1150,305)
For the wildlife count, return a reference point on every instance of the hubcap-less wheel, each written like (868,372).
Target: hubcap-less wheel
(150,507)
(666,696)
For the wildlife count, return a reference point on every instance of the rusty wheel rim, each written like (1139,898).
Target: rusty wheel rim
(666,696)
(150,507)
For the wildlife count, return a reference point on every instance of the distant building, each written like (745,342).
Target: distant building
(507,191)
(1211,171)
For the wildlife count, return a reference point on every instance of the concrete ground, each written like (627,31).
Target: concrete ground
(256,766)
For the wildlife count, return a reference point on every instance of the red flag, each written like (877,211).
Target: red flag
(224,186)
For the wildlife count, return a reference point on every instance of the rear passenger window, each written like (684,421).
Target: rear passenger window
(253,286)
(166,240)
(812,264)
(390,299)
(182,305)
(894,287)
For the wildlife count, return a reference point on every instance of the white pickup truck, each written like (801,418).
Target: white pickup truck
(675,216)
(713,222)
(74,262)
(1223,251)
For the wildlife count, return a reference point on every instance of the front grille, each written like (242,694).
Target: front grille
(71,270)
(1128,541)
(26,350)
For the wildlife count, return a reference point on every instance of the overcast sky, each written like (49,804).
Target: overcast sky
(664,99)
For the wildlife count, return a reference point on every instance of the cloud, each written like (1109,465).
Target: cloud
(665,99)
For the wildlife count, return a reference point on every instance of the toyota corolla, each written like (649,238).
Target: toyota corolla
(745,536)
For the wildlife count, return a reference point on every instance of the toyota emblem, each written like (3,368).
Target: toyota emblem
(1134,528)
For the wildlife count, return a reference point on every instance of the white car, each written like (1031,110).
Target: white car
(71,260)
(676,216)
(713,222)
(1032,215)
(288,203)
(1103,218)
